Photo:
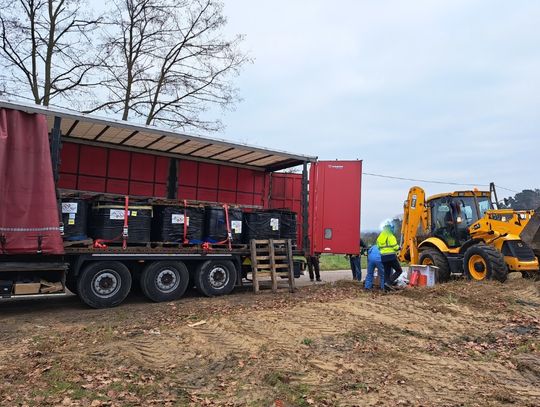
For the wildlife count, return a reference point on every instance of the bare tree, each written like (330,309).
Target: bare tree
(167,62)
(46,48)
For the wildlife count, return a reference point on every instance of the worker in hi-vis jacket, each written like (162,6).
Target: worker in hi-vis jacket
(388,246)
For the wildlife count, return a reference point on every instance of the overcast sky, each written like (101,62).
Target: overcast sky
(445,90)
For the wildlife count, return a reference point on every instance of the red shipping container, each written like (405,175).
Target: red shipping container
(334,201)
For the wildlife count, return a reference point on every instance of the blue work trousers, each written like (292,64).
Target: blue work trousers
(370,272)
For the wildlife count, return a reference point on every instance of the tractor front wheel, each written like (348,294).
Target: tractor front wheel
(482,262)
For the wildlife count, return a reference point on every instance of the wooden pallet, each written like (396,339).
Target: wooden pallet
(272,258)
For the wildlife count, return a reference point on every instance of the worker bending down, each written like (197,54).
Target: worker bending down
(388,246)
(374,261)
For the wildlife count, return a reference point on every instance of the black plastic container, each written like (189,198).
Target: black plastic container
(289,226)
(75,218)
(168,223)
(215,224)
(106,221)
(261,225)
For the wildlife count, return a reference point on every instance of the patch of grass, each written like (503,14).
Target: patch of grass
(295,394)
(528,346)
(358,386)
(276,378)
(58,384)
(339,262)
(451,299)
(307,341)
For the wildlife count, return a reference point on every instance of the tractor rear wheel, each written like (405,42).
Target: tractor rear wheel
(433,257)
(483,262)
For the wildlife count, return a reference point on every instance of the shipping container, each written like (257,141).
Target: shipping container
(47,154)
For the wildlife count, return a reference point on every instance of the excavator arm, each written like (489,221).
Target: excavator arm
(415,215)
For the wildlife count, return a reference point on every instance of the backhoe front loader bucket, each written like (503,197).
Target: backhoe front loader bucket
(531,233)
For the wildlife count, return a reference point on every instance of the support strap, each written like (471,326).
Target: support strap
(186,241)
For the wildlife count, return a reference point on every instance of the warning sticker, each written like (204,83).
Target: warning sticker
(71,221)
(116,214)
(274,223)
(69,207)
(133,213)
(236,226)
(177,219)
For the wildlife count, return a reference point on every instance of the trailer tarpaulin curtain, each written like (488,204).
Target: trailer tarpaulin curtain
(28,208)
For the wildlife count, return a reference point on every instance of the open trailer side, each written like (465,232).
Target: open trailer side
(97,156)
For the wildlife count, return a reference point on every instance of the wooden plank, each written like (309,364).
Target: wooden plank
(273,267)
(281,266)
(292,287)
(255,278)
(269,273)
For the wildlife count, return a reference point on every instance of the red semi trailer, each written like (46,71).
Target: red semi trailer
(45,152)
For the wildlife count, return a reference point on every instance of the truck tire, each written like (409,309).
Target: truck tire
(215,277)
(431,256)
(483,262)
(164,281)
(104,284)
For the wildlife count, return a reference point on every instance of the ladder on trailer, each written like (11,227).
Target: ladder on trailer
(274,258)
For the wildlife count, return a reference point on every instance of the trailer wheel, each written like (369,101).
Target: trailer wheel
(104,284)
(433,257)
(215,277)
(483,262)
(164,281)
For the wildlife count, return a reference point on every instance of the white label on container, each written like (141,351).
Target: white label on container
(236,226)
(69,207)
(116,214)
(177,219)
(274,223)
(71,216)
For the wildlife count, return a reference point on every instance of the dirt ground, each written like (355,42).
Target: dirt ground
(458,344)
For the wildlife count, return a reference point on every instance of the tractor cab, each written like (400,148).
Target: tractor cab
(451,215)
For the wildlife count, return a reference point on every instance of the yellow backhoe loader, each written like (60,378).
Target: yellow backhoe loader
(462,233)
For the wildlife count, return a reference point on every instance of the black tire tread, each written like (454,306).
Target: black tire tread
(439,260)
(496,265)
(85,293)
(208,291)
(154,294)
